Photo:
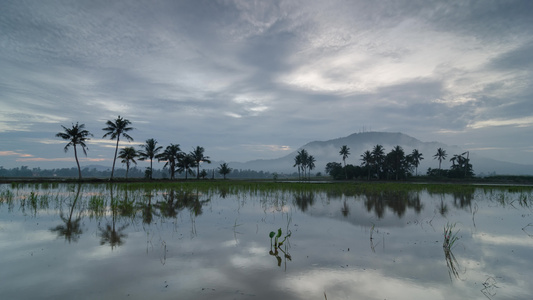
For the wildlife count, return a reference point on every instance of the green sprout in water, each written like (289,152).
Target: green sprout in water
(277,245)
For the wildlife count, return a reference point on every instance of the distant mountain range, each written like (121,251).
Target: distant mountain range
(328,151)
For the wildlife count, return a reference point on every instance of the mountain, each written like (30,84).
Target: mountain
(328,151)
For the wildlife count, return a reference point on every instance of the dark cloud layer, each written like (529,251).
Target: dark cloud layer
(245,79)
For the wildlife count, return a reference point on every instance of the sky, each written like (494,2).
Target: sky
(259,79)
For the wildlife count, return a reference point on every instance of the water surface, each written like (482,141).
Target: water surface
(121,241)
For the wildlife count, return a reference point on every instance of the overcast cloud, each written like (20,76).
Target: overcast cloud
(258,79)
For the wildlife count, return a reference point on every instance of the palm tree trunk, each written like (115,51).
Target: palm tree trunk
(151,169)
(77,162)
(115,158)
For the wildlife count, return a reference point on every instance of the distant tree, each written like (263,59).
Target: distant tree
(114,130)
(76,135)
(310,164)
(378,157)
(224,169)
(149,151)
(416,157)
(334,169)
(298,163)
(345,152)
(128,155)
(367,162)
(199,157)
(440,156)
(171,156)
(203,174)
(185,164)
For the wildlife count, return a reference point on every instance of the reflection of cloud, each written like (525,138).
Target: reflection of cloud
(357,284)
(503,239)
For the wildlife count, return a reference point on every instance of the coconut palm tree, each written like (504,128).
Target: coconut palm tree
(367,161)
(224,169)
(128,155)
(416,157)
(378,157)
(301,160)
(77,135)
(198,155)
(310,164)
(345,151)
(441,155)
(114,130)
(171,155)
(149,151)
(185,164)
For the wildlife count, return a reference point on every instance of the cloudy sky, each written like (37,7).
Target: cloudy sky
(258,79)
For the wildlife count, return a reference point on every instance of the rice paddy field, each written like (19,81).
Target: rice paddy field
(265,240)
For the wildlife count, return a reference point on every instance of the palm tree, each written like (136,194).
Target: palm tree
(310,164)
(301,160)
(198,155)
(149,151)
(185,164)
(367,161)
(224,169)
(345,151)
(128,154)
(76,135)
(116,129)
(416,158)
(171,155)
(378,157)
(441,155)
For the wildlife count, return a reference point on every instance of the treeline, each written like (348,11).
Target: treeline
(397,165)
(26,172)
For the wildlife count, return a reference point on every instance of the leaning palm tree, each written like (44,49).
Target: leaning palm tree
(128,155)
(149,151)
(198,154)
(171,155)
(345,151)
(76,135)
(416,157)
(441,155)
(115,129)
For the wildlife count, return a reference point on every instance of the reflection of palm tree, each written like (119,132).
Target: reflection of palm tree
(304,199)
(71,230)
(345,209)
(110,234)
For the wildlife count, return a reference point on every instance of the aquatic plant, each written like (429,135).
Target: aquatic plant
(450,237)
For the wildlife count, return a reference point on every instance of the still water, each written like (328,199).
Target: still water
(68,241)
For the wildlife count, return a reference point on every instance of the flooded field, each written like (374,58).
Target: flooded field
(264,241)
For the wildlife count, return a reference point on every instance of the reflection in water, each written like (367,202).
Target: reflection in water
(325,248)
(71,229)
(398,201)
(304,199)
(110,234)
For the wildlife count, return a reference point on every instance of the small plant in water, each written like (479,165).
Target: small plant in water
(277,245)
(450,237)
